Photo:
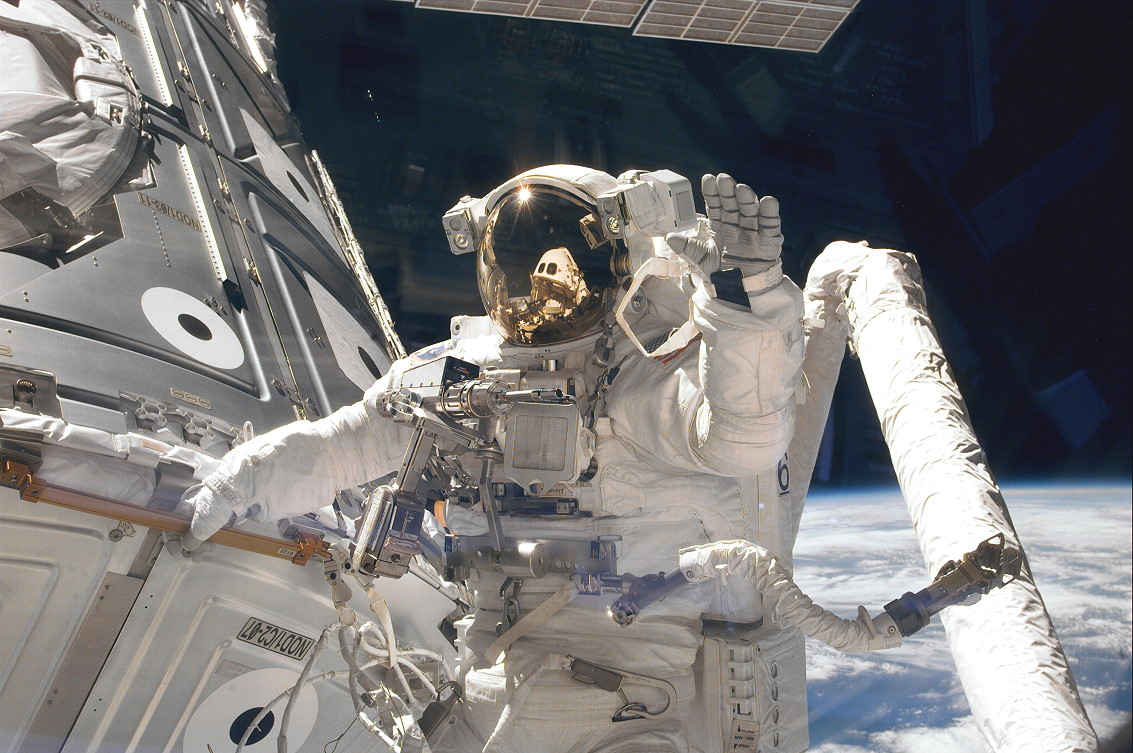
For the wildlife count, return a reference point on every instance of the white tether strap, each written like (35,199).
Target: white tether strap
(535,618)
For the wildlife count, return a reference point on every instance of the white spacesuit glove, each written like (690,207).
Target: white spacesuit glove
(222,498)
(297,468)
(211,512)
(252,480)
(745,230)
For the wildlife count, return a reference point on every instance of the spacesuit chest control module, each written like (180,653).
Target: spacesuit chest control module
(455,456)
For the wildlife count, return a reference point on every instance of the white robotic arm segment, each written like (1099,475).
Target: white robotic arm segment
(297,468)
(1014,671)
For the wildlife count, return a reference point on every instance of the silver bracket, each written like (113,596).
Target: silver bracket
(29,390)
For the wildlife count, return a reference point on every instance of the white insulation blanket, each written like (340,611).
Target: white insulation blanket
(1010,661)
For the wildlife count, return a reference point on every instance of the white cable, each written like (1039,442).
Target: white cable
(292,691)
(281,741)
(296,687)
(352,684)
(430,654)
(410,650)
(364,637)
(372,688)
(420,676)
(393,660)
(385,622)
(380,660)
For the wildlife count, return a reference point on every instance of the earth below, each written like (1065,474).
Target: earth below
(859,548)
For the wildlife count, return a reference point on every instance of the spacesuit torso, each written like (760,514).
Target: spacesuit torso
(672,454)
(679,409)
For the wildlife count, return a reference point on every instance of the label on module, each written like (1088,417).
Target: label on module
(274,638)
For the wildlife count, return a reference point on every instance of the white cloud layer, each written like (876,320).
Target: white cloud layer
(860,548)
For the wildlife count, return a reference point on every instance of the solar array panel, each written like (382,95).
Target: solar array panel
(493,7)
(789,24)
(785,24)
(605,12)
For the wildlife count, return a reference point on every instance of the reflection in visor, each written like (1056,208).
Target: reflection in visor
(558,280)
(541,280)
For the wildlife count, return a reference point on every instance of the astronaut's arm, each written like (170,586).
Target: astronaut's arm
(750,366)
(752,341)
(297,468)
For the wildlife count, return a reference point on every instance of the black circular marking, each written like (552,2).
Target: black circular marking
(369,363)
(240,725)
(298,186)
(194,327)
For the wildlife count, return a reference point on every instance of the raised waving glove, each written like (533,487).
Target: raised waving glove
(744,233)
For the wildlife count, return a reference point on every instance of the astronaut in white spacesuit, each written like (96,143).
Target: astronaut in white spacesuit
(684,377)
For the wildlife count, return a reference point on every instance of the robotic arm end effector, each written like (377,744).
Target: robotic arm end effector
(990,565)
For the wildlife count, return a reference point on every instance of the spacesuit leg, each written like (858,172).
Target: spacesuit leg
(580,722)
(662,738)
(532,696)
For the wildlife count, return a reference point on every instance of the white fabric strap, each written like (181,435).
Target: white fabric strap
(535,618)
(518,698)
(767,279)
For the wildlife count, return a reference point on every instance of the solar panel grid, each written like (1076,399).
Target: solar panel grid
(623,20)
(559,10)
(458,5)
(721,15)
(606,12)
(828,14)
(815,23)
(848,5)
(501,7)
(492,7)
(786,24)
(666,19)
(798,44)
(709,20)
(790,26)
(674,19)
(626,8)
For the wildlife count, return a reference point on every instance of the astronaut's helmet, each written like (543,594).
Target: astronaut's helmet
(543,266)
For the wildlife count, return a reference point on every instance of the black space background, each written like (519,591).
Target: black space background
(989,138)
